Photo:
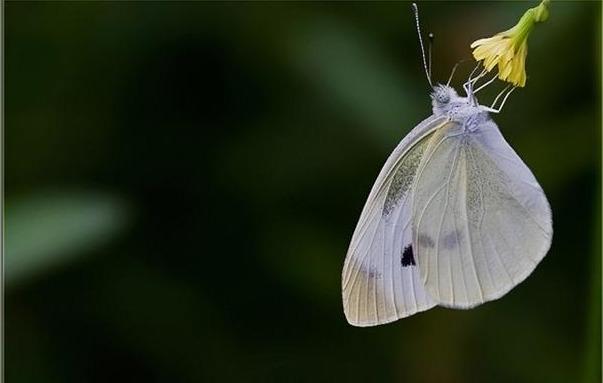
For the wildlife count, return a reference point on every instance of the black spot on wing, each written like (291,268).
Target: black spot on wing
(408,258)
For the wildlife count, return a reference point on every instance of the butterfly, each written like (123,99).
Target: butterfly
(455,217)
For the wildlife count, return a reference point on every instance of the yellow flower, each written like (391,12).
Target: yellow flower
(508,49)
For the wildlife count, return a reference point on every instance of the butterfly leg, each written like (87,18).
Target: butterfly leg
(453,71)
(500,94)
(491,109)
(486,84)
(468,86)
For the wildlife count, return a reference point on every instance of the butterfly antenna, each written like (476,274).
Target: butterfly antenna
(429,47)
(427,71)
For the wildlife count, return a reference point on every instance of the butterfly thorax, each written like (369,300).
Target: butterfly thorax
(464,110)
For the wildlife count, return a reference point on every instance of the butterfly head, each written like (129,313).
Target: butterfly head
(441,98)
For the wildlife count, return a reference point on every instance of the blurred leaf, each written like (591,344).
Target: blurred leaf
(49,229)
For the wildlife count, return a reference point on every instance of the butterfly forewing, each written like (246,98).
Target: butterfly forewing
(481,222)
(380,280)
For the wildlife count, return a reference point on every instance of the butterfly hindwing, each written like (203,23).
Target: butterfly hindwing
(481,222)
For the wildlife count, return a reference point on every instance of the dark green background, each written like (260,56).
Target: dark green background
(182,180)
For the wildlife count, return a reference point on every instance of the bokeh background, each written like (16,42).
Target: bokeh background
(182,181)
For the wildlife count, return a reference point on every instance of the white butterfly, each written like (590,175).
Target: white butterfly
(454,219)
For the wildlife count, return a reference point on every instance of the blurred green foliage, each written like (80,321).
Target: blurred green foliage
(50,228)
(182,180)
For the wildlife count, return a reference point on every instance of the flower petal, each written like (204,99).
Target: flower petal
(507,50)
